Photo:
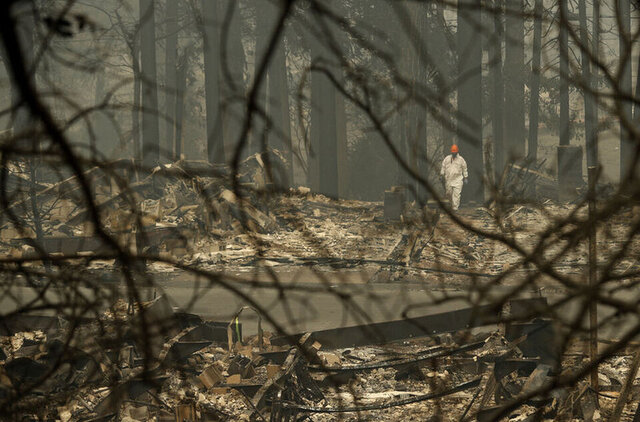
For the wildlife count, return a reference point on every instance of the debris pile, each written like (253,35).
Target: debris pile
(140,362)
(189,212)
(148,361)
(172,211)
(196,370)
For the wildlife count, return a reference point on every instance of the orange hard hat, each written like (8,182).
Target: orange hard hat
(454,149)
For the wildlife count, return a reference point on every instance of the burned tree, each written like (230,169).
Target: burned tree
(563,74)
(497,89)
(273,131)
(323,119)
(148,73)
(233,64)
(534,108)
(211,49)
(627,160)
(514,79)
(470,125)
(170,77)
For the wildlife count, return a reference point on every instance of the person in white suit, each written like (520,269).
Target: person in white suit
(454,172)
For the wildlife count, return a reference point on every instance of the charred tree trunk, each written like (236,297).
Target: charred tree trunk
(20,115)
(400,42)
(181,86)
(105,132)
(279,110)
(170,80)
(595,72)
(211,47)
(344,176)
(150,127)
(535,81)
(469,98)
(443,46)
(280,136)
(232,83)
(23,119)
(403,113)
(135,111)
(564,124)
(96,139)
(636,105)
(274,95)
(313,150)
(340,110)
(589,124)
(264,22)
(514,79)
(497,82)
(399,135)
(323,121)
(626,143)
(419,12)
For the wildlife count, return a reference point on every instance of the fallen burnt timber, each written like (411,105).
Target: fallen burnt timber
(197,370)
(385,332)
(292,408)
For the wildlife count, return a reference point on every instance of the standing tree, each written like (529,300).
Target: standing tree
(343,166)
(399,43)
(105,131)
(469,98)
(150,128)
(170,81)
(211,47)
(182,67)
(263,22)
(514,78)
(417,135)
(20,116)
(497,87)
(232,81)
(340,39)
(132,42)
(323,120)
(585,63)
(279,102)
(563,22)
(442,48)
(627,147)
(274,130)
(534,86)
(595,42)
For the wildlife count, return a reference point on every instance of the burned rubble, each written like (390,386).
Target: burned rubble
(146,360)
(208,371)
(190,212)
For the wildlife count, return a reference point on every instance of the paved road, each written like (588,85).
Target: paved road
(300,311)
(296,310)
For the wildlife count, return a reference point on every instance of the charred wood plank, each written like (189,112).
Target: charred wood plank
(402,363)
(71,245)
(59,189)
(133,188)
(385,332)
(404,402)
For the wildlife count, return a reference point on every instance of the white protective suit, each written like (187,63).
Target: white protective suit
(454,171)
